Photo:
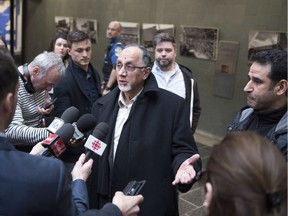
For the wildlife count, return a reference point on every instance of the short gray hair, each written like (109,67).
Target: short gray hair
(47,61)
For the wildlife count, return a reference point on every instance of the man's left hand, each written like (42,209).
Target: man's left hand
(186,172)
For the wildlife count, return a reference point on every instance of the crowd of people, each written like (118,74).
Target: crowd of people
(152,109)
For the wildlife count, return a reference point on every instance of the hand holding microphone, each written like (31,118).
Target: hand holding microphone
(82,169)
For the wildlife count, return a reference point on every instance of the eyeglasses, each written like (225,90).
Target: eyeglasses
(128,68)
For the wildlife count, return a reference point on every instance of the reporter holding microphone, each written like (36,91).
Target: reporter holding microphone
(33,185)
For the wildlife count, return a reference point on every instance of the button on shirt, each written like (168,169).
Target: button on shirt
(172,81)
(123,113)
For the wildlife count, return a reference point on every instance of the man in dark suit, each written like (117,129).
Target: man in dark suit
(80,86)
(149,139)
(34,185)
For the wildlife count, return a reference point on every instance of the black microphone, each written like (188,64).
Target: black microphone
(55,143)
(70,115)
(85,123)
(94,143)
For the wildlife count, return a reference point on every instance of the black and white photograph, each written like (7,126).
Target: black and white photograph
(150,30)
(261,40)
(89,26)
(130,32)
(199,42)
(64,25)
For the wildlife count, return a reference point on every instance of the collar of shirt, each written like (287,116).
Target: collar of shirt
(121,100)
(171,74)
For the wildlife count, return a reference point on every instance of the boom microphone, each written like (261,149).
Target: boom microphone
(70,115)
(94,143)
(85,123)
(55,143)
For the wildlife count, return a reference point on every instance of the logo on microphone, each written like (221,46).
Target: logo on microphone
(55,125)
(95,145)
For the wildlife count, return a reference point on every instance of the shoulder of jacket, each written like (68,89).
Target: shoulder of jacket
(187,71)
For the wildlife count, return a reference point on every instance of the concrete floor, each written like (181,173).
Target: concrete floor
(190,203)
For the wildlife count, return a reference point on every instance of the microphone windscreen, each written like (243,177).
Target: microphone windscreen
(101,131)
(70,115)
(66,132)
(86,122)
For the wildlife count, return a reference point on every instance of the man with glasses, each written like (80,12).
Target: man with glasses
(149,139)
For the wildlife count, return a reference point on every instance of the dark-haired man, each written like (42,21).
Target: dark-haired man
(175,77)
(266,91)
(80,86)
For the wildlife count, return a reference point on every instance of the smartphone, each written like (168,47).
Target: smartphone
(133,188)
(47,105)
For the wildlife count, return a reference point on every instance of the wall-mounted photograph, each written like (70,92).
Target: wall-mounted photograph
(226,63)
(130,32)
(64,25)
(150,30)
(89,26)
(265,40)
(199,42)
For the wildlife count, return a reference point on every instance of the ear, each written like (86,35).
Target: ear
(69,50)
(35,71)
(281,87)
(208,194)
(147,71)
(8,104)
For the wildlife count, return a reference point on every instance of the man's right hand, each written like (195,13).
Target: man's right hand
(128,205)
(81,169)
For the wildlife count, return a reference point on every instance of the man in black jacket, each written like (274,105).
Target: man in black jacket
(266,91)
(175,77)
(80,86)
(149,139)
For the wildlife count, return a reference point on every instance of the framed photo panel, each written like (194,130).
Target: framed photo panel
(150,30)
(64,25)
(89,26)
(264,40)
(199,42)
(130,32)
(226,63)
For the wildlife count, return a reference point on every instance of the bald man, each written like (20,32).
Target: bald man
(115,46)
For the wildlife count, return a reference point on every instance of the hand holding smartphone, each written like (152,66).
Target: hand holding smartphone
(47,105)
(133,188)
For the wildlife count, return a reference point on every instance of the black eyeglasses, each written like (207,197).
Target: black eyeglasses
(128,68)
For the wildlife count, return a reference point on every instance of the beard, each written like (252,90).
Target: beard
(125,88)
(164,64)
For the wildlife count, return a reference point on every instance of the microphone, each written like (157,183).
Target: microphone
(85,123)
(70,115)
(94,143)
(55,143)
